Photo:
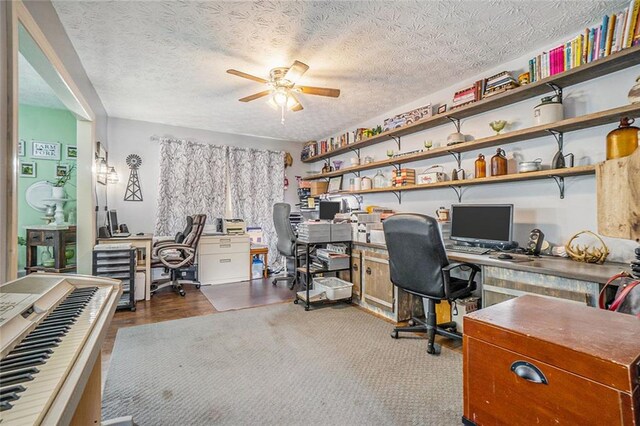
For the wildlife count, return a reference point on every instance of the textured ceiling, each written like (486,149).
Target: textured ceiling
(32,89)
(165,61)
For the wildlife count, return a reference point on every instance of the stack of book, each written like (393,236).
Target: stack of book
(617,31)
(499,83)
(404,177)
(469,94)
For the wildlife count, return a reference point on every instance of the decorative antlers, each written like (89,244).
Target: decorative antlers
(587,253)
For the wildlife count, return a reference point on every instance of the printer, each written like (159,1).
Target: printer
(231,226)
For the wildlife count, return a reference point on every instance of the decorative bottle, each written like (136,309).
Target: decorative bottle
(379,181)
(481,167)
(623,140)
(499,163)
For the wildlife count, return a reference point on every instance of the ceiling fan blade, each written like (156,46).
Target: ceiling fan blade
(255,96)
(247,76)
(297,106)
(296,71)
(320,91)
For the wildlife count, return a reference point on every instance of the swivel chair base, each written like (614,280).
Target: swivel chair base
(174,282)
(447,329)
(293,280)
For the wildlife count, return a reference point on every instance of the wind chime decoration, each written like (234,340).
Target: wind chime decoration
(133,193)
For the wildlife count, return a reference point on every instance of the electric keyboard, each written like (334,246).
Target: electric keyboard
(467,249)
(51,331)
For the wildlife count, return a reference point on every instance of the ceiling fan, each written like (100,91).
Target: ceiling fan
(282,87)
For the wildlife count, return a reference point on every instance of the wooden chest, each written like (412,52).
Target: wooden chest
(544,361)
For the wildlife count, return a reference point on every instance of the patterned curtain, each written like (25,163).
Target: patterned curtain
(256,180)
(192,181)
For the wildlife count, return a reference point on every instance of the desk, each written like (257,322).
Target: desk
(140,242)
(502,280)
(259,249)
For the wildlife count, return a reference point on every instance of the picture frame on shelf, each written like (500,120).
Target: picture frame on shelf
(28,169)
(61,170)
(21,148)
(71,152)
(335,184)
(442,109)
(45,150)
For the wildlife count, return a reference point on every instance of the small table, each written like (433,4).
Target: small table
(141,242)
(58,237)
(259,250)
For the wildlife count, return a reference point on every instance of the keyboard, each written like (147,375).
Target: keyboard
(121,235)
(467,249)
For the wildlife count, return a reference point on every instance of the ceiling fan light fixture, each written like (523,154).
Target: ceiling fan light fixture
(281,97)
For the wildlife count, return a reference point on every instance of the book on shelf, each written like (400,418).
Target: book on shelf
(616,32)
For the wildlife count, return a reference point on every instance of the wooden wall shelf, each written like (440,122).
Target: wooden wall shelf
(616,62)
(557,175)
(568,125)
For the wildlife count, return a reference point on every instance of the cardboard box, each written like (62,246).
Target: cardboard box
(318,187)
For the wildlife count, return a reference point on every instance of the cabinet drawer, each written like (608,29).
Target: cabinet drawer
(215,268)
(494,394)
(377,286)
(224,247)
(35,237)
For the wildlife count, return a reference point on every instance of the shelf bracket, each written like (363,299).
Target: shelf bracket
(357,172)
(356,150)
(396,139)
(458,191)
(560,182)
(398,195)
(559,136)
(556,89)
(396,166)
(455,121)
(457,156)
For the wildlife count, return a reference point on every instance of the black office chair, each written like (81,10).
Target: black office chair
(286,239)
(418,264)
(176,257)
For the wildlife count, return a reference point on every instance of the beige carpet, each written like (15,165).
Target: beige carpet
(280,365)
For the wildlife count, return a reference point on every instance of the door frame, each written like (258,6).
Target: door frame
(17,15)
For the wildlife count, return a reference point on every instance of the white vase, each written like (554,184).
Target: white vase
(57,192)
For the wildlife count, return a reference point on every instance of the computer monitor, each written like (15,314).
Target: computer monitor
(490,224)
(112,222)
(329,209)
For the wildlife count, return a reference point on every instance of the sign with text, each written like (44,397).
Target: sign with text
(45,150)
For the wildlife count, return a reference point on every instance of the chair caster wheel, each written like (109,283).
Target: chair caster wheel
(394,334)
(295,302)
(306,308)
(182,293)
(133,309)
(433,350)
(411,323)
(349,301)
(198,286)
(274,282)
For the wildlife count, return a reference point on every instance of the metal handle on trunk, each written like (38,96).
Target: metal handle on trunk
(529,372)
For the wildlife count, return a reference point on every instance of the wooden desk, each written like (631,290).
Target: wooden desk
(141,242)
(259,249)
(547,361)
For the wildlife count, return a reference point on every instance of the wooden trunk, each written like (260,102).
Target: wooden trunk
(356,267)
(378,288)
(618,195)
(586,362)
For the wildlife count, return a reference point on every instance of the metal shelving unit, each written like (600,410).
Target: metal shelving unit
(118,264)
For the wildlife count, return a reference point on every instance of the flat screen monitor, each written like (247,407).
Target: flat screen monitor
(482,223)
(112,222)
(329,209)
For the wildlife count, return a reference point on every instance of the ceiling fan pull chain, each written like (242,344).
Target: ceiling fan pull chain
(282,116)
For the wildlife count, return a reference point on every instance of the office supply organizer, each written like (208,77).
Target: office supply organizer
(118,261)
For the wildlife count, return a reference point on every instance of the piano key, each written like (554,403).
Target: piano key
(63,328)
(27,362)
(10,393)
(46,323)
(38,341)
(20,355)
(53,333)
(35,346)
(17,376)
(4,406)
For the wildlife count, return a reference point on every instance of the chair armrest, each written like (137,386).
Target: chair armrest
(446,274)
(187,255)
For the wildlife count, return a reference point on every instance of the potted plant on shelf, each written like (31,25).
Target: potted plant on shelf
(63,175)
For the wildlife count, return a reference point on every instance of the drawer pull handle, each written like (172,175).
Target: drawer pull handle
(529,372)
(225,240)
(225,260)
(225,245)
(368,271)
(355,266)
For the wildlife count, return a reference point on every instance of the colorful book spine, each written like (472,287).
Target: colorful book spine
(603,36)
(609,39)
(634,9)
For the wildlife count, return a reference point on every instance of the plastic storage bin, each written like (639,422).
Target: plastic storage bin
(334,288)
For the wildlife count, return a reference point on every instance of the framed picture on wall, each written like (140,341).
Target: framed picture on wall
(45,150)
(21,146)
(71,152)
(28,169)
(61,170)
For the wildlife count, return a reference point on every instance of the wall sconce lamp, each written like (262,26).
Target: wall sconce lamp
(112,176)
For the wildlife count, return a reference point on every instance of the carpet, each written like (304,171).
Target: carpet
(280,365)
(227,297)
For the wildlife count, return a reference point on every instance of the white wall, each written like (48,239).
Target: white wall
(536,203)
(134,137)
